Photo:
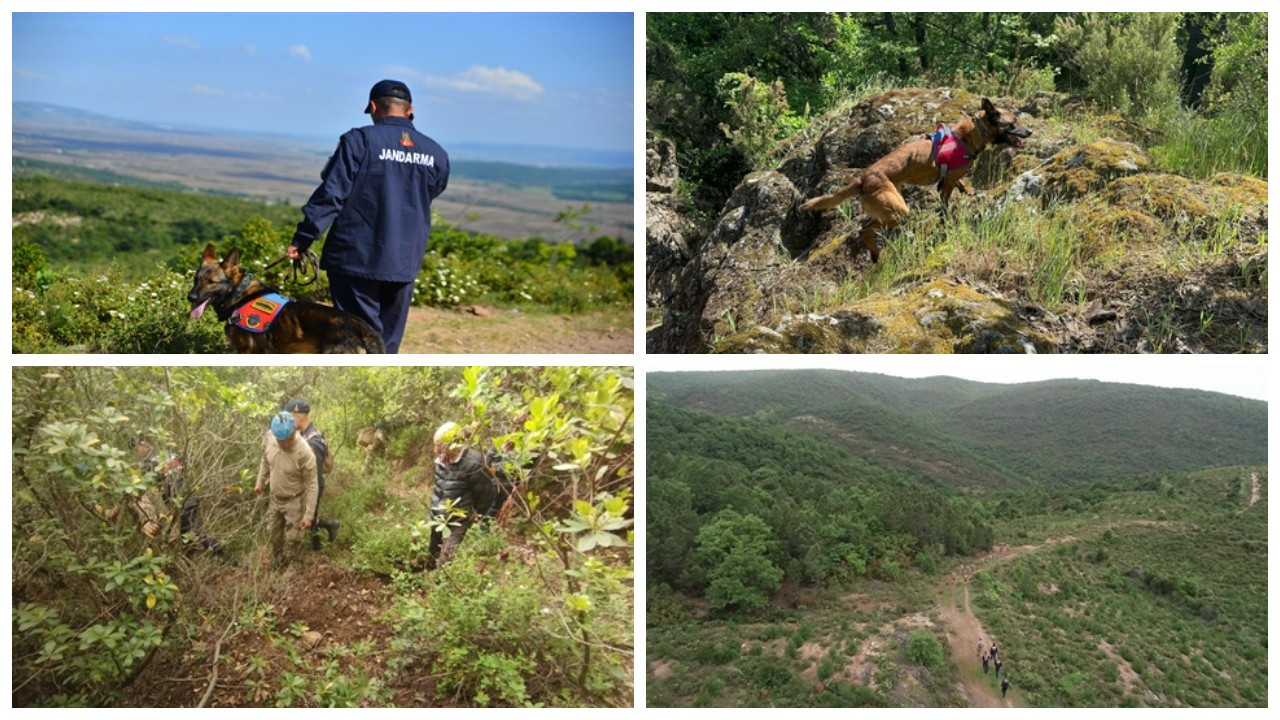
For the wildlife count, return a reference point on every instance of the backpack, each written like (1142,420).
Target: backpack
(316,440)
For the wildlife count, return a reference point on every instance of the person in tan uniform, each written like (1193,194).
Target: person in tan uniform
(288,473)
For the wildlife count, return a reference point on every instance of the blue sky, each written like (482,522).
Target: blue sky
(511,78)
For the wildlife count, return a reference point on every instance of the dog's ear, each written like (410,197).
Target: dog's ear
(989,109)
(210,255)
(233,259)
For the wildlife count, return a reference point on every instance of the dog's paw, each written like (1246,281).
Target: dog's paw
(811,205)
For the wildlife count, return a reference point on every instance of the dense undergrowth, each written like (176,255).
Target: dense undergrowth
(535,608)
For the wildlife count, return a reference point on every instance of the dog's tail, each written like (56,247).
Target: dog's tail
(829,201)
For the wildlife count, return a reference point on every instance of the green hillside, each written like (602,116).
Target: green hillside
(976,435)
(816,539)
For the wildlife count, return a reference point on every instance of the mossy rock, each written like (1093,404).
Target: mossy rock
(1160,195)
(1080,170)
(941,317)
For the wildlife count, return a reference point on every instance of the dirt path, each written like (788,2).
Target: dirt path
(508,331)
(963,634)
(962,626)
(1257,490)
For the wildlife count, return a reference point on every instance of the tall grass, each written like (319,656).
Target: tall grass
(1198,146)
(1010,244)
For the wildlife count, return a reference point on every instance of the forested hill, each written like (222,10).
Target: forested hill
(977,436)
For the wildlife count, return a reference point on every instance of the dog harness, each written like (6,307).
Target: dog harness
(948,152)
(257,315)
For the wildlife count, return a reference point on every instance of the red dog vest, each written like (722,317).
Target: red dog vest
(948,151)
(258,314)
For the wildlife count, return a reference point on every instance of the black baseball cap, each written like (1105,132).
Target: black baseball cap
(298,405)
(389,88)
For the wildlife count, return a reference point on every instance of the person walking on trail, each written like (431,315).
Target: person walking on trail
(994,650)
(324,464)
(465,483)
(999,664)
(376,191)
(1004,686)
(288,475)
(981,650)
(985,661)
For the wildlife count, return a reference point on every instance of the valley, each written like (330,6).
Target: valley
(498,198)
(1142,588)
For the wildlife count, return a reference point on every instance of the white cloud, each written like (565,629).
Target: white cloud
(185,42)
(300,51)
(499,81)
(202,89)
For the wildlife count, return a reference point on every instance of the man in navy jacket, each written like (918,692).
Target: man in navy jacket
(376,191)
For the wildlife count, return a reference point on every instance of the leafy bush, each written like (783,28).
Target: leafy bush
(924,649)
(102,313)
(494,643)
(760,115)
(1128,62)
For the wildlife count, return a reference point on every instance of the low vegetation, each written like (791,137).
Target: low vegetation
(106,269)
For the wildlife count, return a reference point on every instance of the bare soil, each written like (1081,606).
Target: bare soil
(344,607)
(511,331)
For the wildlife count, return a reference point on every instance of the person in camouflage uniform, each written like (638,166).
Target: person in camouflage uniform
(462,476)
(154,507)
(288,474)
(307,431)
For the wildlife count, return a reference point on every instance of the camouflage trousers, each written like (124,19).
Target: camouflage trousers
(284,520)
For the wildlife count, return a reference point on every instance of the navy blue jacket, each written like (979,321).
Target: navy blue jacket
(377,191)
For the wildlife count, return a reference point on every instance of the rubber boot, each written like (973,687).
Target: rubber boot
(331,526)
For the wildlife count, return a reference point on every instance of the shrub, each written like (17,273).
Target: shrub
(102,313)
(760,115)
(717,653)
(1126,62)
(491,642)
(924,649)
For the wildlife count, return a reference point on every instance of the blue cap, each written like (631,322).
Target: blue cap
(389,88)
(282,426)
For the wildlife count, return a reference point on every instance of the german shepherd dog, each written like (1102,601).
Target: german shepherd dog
(300,327)
(912,163)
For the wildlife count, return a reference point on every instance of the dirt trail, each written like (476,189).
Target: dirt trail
(507,330)
(963,634)
(1257,490)
(962,626)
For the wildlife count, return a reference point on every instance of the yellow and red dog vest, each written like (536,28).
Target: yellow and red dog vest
(258,314)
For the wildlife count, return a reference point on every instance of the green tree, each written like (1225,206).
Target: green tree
(734,556)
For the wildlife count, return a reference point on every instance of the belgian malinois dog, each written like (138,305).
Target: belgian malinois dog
(297,326)
(916,163)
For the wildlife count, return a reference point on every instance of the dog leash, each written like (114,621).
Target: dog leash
(307,264)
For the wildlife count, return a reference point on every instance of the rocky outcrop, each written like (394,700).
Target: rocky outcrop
(941,317)
(1079,170)
(666,231)
(768,277)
